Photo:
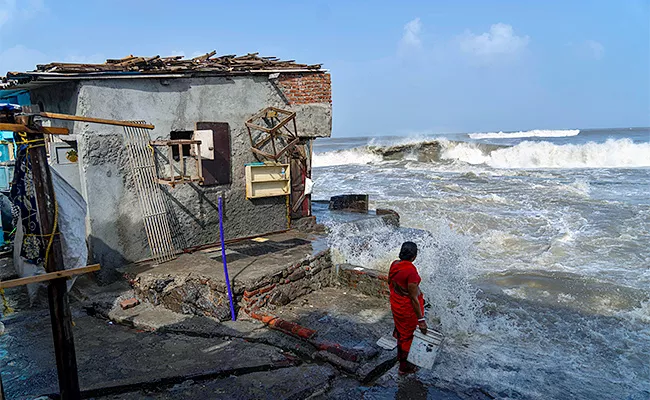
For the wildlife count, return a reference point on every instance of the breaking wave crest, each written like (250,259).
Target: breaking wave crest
(525,134)
(614,153)
(345,157)
(621,153)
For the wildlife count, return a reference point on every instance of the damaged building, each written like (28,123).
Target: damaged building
(220,122)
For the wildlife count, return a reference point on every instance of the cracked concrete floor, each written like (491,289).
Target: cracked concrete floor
(117,362)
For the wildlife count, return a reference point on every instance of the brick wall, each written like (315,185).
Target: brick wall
(364,280)
(305,88)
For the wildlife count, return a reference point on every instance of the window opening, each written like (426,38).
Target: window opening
(181,135)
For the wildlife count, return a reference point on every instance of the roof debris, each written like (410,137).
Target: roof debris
(207,63)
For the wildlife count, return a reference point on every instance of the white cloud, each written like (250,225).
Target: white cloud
(184,54)
(97,58)
(499,40)
(596,48)
(411,36)
(20,58)
(24,9)
(7,9)
(31,8)
(5,14)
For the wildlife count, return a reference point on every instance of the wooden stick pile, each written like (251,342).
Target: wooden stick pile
(205,63)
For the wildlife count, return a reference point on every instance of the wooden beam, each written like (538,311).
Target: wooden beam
(173,142)
(95,120)
(264,154)
(49,276)
(257,127)
(49,130)
(57,289)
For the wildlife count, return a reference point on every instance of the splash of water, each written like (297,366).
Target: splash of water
(445,263)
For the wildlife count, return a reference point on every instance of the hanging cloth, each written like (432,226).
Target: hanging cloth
(23,196)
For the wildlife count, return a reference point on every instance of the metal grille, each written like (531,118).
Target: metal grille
(152,202)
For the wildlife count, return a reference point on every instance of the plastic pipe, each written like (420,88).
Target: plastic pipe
(223,257)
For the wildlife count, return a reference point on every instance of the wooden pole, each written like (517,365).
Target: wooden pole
(61,318)
(95,120)
(49,276)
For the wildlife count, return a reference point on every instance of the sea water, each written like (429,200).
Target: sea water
(537,257)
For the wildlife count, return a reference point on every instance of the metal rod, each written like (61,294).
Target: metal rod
(223,258)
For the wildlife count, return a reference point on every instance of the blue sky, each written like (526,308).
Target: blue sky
(407,69)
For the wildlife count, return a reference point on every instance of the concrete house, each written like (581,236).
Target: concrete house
(179,97)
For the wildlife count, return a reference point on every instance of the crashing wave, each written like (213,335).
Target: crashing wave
(614,153)
(373,153)
(525,134)
(345,157)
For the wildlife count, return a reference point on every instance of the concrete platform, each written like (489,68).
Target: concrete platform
(115,358)
(287,383)
(344,316)
(195,283)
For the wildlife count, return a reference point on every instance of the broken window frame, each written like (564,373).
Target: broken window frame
(195,153)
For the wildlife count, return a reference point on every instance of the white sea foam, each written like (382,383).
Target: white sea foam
(621,153)
(640,313)
(344,157)
(525,134)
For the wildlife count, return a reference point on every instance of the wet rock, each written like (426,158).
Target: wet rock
(348,366)
(374,368)
(350,202)
(296,275)
(390,217)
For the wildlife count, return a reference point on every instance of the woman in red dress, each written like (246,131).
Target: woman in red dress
(406,303)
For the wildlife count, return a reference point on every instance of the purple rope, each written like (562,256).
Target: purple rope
(223,257)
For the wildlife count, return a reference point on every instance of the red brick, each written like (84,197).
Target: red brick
(266,289)
(129,303)
(306,88)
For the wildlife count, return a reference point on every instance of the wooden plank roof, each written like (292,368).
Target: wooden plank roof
(208,63)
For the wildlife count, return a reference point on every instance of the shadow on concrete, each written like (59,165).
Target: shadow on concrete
(107,257)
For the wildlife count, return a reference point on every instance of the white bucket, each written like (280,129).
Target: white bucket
(425,348)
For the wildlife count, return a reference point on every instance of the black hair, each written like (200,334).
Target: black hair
(409,251)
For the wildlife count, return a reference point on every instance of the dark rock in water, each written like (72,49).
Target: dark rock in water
(391,217)
(350,202)
(423,151)
(307,224)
